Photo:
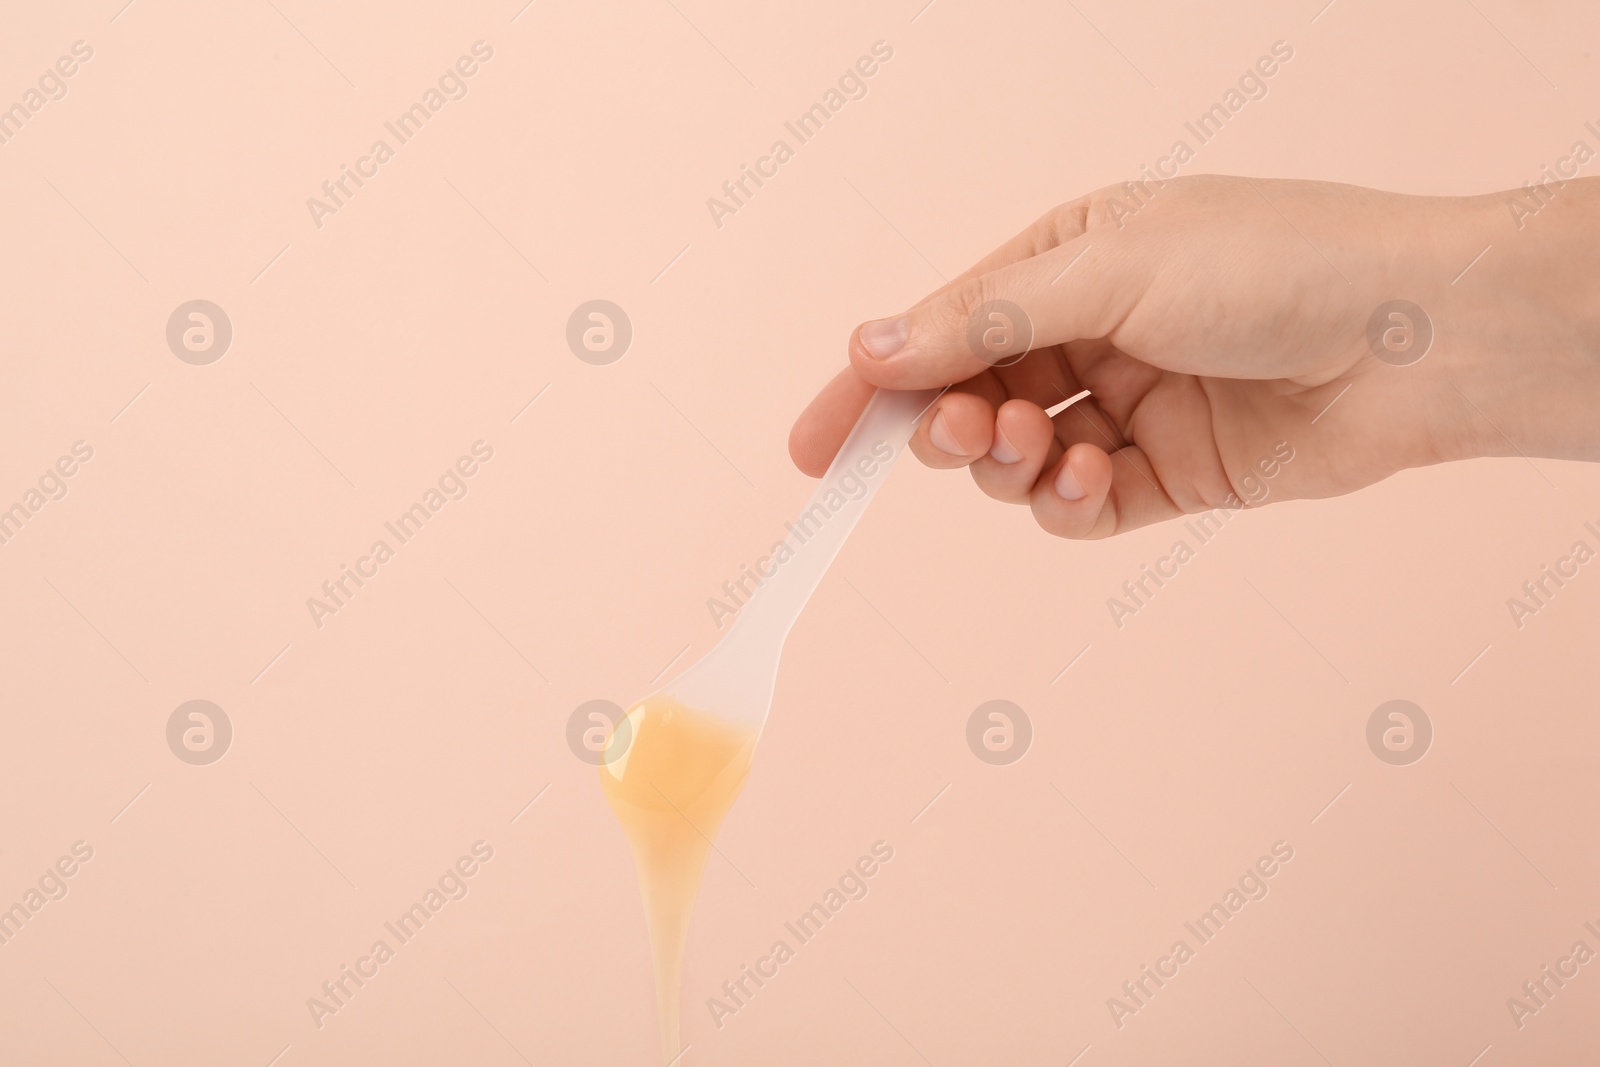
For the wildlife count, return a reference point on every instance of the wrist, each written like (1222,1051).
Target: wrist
(1517,333)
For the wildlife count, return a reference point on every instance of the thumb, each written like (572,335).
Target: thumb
(1080,289)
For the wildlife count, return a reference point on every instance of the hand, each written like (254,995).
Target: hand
(1220,324)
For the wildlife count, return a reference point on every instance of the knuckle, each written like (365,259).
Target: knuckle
(1213,494)
(1062,223)
(953,313)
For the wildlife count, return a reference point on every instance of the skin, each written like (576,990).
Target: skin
(1213,323)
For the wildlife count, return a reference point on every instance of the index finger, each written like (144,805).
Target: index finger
(1046,300)
(827,420)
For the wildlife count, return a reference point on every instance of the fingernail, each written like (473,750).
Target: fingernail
(1003,451)
(945,441)
(1067,486)
(884,337)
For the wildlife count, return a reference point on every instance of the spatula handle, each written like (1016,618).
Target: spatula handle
(815,537)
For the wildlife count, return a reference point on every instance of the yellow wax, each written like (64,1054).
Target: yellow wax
(670,774)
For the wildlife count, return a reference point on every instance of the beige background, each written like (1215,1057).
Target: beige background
(370,753)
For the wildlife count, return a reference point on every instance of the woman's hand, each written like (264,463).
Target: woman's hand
(1221,323)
